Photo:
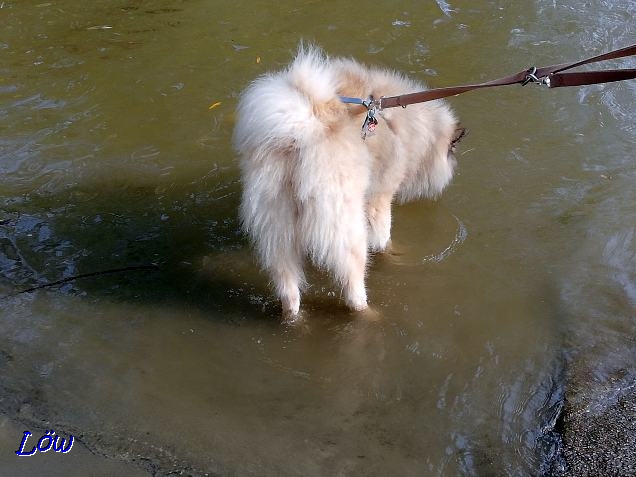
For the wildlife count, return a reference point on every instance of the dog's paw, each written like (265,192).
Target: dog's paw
(294,320)
(291,305)
(379,236)
(384,247)
(369,314)
(379,243)
(357,301)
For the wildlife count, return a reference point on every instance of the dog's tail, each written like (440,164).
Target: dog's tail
(293,107)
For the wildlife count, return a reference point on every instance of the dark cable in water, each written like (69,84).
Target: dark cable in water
(136,268)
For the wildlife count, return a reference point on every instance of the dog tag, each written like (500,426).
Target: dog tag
(370,123)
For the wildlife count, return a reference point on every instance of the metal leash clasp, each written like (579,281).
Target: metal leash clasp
(370,121)
(531,76)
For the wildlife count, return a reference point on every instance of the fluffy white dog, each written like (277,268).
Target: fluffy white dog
(313,186)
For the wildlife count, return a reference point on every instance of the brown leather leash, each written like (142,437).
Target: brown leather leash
(552,76)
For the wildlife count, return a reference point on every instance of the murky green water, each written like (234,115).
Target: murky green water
(110,157)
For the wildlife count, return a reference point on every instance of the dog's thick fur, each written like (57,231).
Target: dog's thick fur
(312,186)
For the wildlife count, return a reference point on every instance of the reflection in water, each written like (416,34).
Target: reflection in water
(112,157)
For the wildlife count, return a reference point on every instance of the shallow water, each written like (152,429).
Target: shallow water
(111,156)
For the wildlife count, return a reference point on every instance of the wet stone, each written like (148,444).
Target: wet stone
(601,443)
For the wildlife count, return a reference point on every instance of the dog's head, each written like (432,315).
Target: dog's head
(457,136)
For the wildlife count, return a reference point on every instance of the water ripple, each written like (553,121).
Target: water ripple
(458,239)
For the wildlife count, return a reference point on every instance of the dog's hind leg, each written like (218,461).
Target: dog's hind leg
(350,260)
(287,276)
(269,214)
(284,262)
(342,246)
(281,256)
(333,221)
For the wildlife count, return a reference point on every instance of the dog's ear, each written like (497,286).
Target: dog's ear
(458,135)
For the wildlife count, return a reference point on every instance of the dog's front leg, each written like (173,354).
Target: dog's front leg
(354,270)
(379,216)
